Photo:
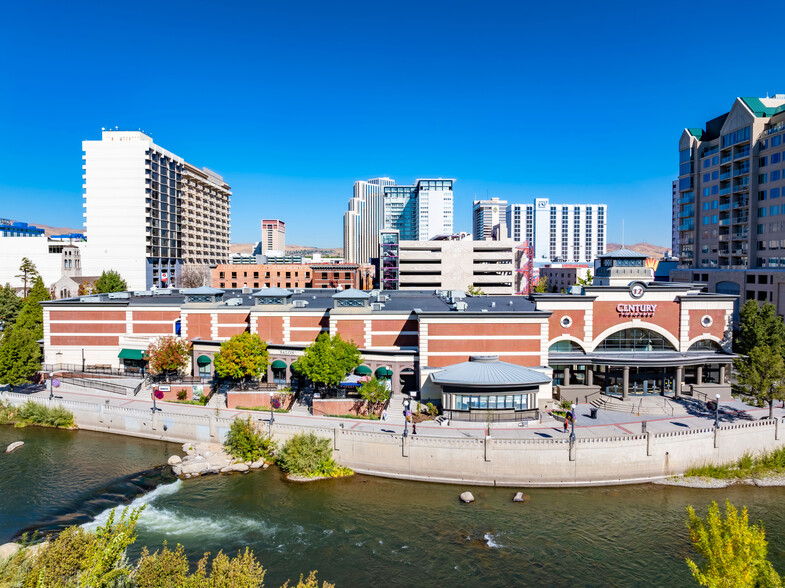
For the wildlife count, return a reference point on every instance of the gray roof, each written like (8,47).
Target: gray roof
(623,252)
(201,290)
(352,293)
(486,371)
(276,292)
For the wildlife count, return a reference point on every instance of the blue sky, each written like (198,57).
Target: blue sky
(294,101)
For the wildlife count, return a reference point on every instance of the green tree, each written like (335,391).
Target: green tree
(473,290)
(168,355)
(760,325)
(305,454)
(10,305)
(242,357)
(734,552)
(31,317)
(20,356)
(110,281)
(247,442)
(761,374)
(587,280)
(542,285)
(374,392)
(328,360)
(28,273)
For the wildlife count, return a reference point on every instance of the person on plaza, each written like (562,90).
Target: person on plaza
(566,424)
(384,414)
(414,428)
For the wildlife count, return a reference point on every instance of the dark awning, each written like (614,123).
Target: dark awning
(203,360)
(278,364)
(363,370)
(131,354)
(384,372)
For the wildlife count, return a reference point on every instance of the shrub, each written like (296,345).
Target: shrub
(163,569)
(32,413)
(307,455)
(182,395)
(246,442)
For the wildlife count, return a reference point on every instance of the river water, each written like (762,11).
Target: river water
(364,530)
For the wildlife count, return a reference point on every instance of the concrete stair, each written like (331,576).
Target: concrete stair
(639,405)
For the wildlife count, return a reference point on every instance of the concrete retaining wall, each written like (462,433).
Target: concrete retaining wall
(488,461)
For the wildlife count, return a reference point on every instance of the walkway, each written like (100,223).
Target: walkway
(607,423)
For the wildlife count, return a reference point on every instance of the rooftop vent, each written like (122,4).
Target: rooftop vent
(461,306)
(162,292)
(377,306)
(234,302)
(493,304)
(300,303)
(119,295)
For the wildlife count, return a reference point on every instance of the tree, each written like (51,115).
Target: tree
(473,290)
(86,288)
(110,281)
(31,317)
(374,392)
(542,285)
(760,325)
(242,357)
(761,374)
(247,442)
(587,280)
(167,355)
(193,276)
(20,356)
(327,360)
(734,553)
(28,272)
(10,305)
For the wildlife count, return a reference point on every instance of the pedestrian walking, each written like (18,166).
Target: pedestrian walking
(566,424)
(414,428)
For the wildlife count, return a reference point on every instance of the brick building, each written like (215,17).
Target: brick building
(294,275)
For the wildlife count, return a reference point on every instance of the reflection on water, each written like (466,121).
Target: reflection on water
(364,531)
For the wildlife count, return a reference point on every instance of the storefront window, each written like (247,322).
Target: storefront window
(641,340)
(491,402)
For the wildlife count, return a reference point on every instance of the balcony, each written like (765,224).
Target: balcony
(725,176)
(726,158)
(686,200)
(687,241)
(726,206)
(724,238)
(724,222)
(741,203)
(725,191)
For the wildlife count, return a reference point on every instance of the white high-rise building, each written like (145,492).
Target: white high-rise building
(273,236)
(364,220)
(147,211)
(565,233)
(421,211)
(489,220)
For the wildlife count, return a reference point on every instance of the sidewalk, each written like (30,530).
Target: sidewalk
(607,423)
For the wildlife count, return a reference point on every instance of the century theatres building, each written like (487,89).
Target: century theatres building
(625,335)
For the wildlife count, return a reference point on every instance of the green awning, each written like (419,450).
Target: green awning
(279,364)
(383,372)
(203,360)
(131,354)
(363,370)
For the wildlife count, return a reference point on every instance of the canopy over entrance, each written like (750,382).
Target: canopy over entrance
(136,354)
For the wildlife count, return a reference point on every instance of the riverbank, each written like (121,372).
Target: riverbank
(547,460)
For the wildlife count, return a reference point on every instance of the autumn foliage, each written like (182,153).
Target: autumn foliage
(168,355)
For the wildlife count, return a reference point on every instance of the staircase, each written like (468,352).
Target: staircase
(639,405)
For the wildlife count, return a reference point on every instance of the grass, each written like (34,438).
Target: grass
(262,409)
(747,466)
(362,417)
(32,413)
(196,402)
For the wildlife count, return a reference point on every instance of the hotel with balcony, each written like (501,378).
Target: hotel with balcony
(148,211)
(731,212)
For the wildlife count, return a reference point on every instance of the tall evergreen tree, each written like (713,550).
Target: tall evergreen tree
(28,272)
(760,325)
(20,357)
(31,316)
(110,281)
(10,305)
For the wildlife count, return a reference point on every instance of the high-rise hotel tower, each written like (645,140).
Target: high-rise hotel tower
(148,211)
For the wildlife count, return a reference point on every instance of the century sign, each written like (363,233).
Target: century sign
(636,309)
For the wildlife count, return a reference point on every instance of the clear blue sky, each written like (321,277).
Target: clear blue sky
(293,101)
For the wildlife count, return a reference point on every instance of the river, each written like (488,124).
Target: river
(363,531)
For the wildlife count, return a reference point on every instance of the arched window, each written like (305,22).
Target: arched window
(705,345)
(640,340)
(565,346)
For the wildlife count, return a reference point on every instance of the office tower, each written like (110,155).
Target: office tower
(273,236)
(147,211)
(730,196)
(675,209)
(489,220)
(363,220)
(421,211)
(563,233)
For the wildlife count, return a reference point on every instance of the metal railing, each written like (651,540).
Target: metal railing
(102,385)
(92,369)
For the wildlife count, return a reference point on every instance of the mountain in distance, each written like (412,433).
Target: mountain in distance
(247,249)
(49,231)
(654,251)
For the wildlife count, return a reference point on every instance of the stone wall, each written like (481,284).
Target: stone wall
(488,461)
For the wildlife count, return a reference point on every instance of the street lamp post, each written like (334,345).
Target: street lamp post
(572,432)
(51,383)
(272,413)
(717,411)
(405,418)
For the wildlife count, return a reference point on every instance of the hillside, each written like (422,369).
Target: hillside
(49,231)
(247,248)
(654,251)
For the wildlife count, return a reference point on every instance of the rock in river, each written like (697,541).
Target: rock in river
(467,497)
(175,459)
(14,445)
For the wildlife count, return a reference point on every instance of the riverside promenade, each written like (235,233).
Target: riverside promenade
(612,449)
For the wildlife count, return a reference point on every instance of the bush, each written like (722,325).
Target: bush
(432,409)
(246,442)
(32,413)
(307,455)
(182,395)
